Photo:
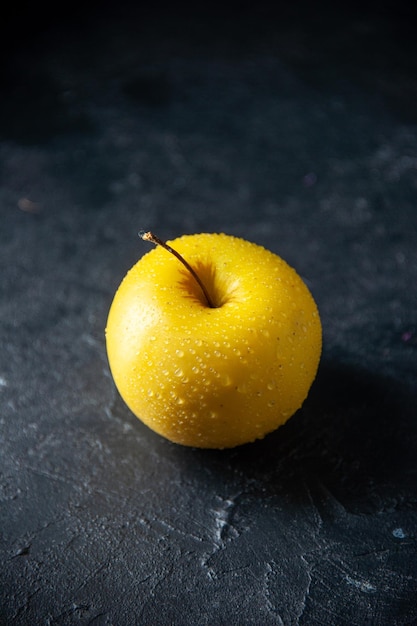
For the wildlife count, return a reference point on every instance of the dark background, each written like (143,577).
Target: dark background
(293,126)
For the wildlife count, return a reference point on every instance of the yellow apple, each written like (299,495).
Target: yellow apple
(221,374)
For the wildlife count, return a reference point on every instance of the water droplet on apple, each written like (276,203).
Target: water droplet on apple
(179,353)
(226,380)
(178,372)
(213,414)
(195,369)
(270,386)
(150,393)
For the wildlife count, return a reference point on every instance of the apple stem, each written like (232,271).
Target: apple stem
(148,236)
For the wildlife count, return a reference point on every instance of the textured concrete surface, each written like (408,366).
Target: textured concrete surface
(296,130)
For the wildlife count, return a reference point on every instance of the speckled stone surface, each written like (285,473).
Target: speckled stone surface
(297,131)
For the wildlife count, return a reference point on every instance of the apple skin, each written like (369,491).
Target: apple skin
(213,377)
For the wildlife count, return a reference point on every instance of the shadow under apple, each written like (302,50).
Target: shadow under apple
(355,436)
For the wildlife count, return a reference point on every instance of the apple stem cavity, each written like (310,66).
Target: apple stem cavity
(149,236)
